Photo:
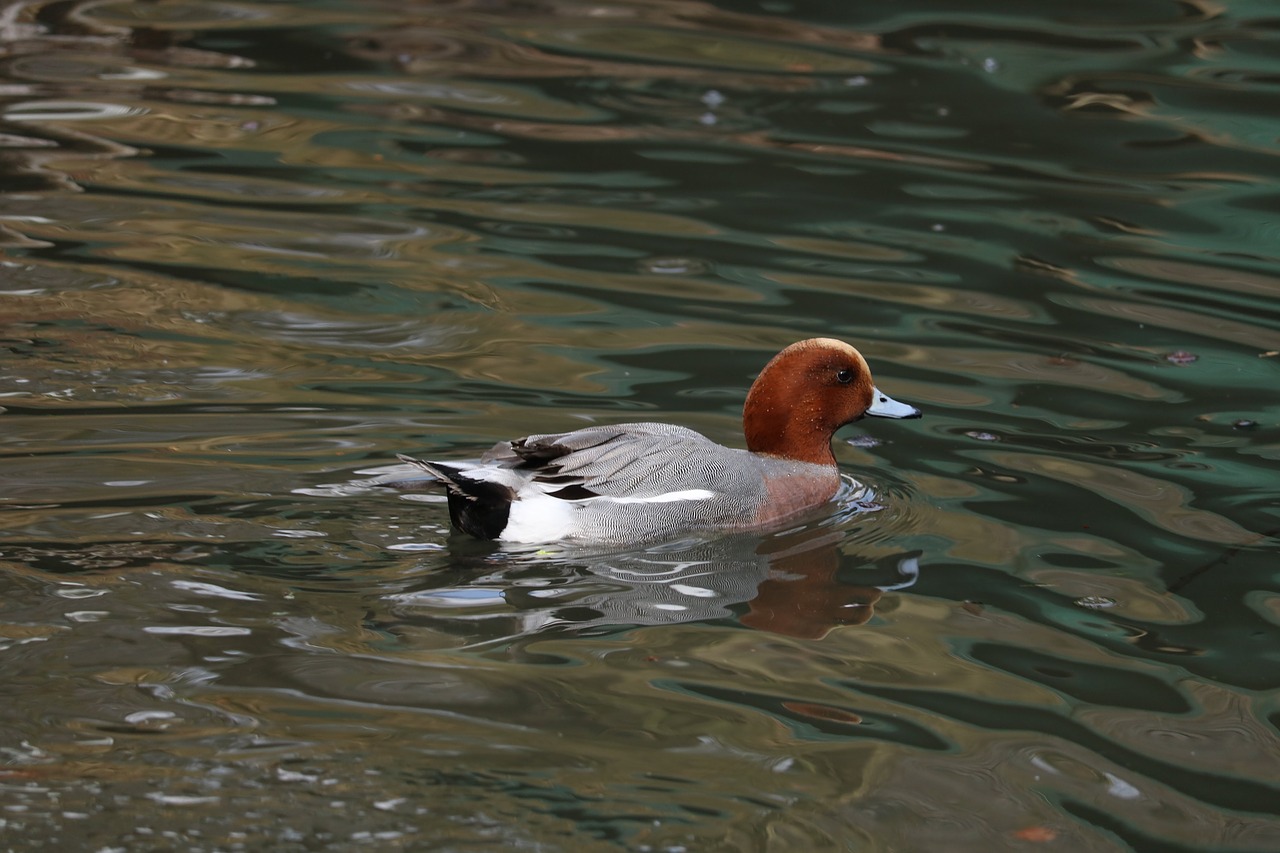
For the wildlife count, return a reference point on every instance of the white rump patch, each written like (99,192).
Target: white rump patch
(539,518)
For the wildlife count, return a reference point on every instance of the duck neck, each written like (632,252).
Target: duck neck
(789,429)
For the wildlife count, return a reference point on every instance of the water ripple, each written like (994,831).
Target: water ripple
(253,250)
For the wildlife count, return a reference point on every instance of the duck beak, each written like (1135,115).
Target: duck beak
(884,406)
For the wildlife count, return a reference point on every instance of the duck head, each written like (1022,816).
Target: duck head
(806,393)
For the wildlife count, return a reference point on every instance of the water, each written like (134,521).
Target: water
(253,250)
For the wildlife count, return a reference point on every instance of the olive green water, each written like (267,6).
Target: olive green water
(253,250)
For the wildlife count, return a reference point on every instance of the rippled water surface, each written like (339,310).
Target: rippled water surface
(249,251)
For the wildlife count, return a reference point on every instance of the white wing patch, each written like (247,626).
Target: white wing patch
(664,498)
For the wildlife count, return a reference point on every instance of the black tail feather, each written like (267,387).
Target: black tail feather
(476,507)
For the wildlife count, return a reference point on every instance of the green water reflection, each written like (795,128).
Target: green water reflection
(251,251)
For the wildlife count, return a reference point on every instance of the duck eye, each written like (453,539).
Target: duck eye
(844,377)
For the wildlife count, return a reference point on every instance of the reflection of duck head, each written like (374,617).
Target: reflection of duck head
(803,597)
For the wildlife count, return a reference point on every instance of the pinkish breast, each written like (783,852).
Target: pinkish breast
(795,487)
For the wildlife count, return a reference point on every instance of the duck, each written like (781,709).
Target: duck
(637,482)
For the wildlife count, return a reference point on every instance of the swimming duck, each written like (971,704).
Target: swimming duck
(636,482)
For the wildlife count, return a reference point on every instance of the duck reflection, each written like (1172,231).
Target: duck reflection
(803,597)
(795,584)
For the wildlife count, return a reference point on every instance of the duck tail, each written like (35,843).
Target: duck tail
(478,507)
(447,475)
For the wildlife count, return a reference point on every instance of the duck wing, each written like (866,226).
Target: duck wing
(623,461)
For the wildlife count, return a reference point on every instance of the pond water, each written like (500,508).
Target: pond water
(250,251)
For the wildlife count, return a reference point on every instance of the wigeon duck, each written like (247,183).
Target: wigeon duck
(635,482)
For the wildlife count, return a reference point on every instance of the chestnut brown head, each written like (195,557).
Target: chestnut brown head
(806,393)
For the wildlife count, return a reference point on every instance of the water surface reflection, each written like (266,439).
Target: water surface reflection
(249,250)
(789,585)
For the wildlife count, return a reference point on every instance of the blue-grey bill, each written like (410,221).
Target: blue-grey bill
(884,406)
